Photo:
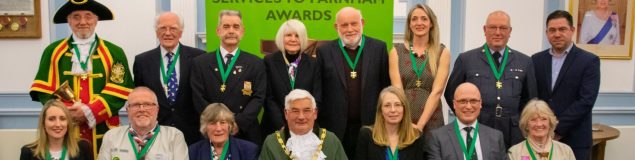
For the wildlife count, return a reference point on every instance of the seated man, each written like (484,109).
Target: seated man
(466,138)
(144,138)
(301,139)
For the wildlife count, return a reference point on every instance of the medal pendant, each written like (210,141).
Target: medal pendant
(353,74)
(222,88)
(418,83)
(499,84)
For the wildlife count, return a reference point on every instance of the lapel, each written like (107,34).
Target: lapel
(455,142)
(213,67)
(234,79)
(154,71)
(282,70)
(485,143)
(565,67)
(184,57)
(338,60)
(365,63)
(546,62)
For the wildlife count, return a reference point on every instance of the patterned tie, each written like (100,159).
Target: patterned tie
(496,56)
(469,142)
(229,59)
(173,84)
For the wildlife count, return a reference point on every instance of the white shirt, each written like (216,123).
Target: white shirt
(557,62)
(224,52)
(477,149)
(164,53)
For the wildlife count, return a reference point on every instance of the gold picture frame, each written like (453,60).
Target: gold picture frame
(607,39)
(20,19)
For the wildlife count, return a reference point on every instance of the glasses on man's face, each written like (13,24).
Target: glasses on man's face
(138,106)
(466,101)
(493,28)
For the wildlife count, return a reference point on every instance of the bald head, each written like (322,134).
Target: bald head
(467,88)
(467,103)
(350,26)
(498,15)
(142,93)
(348,11)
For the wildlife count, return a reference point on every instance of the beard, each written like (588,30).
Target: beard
(352,43)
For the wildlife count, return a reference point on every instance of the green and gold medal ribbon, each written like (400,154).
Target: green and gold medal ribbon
(48,154)
(84,64)
(466,151)
(418,70)
(531,152)
(223,154)
(224,73)
(145,149)
(352,64)
(392,156)
(171,68)
(497,72)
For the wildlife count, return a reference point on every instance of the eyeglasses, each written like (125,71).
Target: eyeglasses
(493,28)
(138,106)
(465,101)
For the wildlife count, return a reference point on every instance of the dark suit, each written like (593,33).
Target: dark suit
(519,86)
(333,114)
(367,149)
(238,148)
(84,153)
(181,115)
(442,144)
(572,97)
(248,74)
(279,86)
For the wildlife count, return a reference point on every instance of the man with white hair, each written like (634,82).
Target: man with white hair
(353,69)
(301,139)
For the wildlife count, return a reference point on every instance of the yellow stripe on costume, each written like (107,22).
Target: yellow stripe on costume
(106,106)
(107,90)
(106,58)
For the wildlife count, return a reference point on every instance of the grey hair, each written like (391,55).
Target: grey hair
(337,15)
(216,112)
(156,20)
(292,25)
(509,19)
(298,94)
(229,13)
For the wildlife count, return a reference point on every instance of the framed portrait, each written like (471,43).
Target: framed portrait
(20,19)
(604,27)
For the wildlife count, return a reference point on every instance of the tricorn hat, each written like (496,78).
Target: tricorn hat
(90,5)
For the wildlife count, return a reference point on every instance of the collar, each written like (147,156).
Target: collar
(291,134)
(553,53)
(502,51)
(78,41)
(359,43)
(463,125)
(224,51)
(164,51)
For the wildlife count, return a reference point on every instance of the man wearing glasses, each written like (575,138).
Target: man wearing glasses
(144,138)
(504,77)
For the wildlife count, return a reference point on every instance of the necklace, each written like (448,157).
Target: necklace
(288,152)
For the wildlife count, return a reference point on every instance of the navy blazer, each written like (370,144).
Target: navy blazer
(181,114)
(574,94)
(238,148)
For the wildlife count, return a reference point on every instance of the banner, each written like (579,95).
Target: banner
(262,19)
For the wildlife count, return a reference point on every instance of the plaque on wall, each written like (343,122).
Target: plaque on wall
(20,19)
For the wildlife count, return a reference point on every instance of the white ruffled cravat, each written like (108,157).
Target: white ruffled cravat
(303,147)
(84,49)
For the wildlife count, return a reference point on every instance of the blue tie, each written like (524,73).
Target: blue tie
(173,84)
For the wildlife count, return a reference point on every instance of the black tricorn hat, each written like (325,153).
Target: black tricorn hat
(90,5)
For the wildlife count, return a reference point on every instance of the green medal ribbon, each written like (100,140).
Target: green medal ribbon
(224,73)
(418,70)
(467,152)
(147,146)
(223,154)
(531,152)
(48,154)
(359,52)
(392,156)
(166,75)
(90,53)
(497,73)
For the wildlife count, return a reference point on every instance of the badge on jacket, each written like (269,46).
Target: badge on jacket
(247,88)
(117,72)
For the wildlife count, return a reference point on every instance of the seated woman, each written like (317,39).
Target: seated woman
(393,135)
(57,136)
(538,123)
(217,126)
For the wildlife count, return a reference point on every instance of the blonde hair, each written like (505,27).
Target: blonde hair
(407,134)
(217,112)
(291,26)
(71,138)
(434,42)
(541,108)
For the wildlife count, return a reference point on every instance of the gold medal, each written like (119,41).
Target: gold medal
(353,74)
(15,26)
(499,84)
(222,88)
(1,26)
(418,83)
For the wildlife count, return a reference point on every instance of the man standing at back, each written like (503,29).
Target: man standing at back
(505,78)
(166,71)
(353,70)
(569,80)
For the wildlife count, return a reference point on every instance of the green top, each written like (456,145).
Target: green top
(271,149)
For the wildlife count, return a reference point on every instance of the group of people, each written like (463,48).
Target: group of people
(355,100)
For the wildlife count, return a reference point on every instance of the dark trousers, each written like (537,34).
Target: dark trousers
(582,153)
(350,139)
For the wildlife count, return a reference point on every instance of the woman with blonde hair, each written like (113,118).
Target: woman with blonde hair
(57,136)
(420,66)
(392,136)
(537,124)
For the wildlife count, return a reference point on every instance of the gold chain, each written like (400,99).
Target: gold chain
(288,153)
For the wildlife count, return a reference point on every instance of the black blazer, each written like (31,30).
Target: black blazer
(248,71)
(181,115)
(334,108)
(573,95)
(368,150)
(279,86)
(84,152)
